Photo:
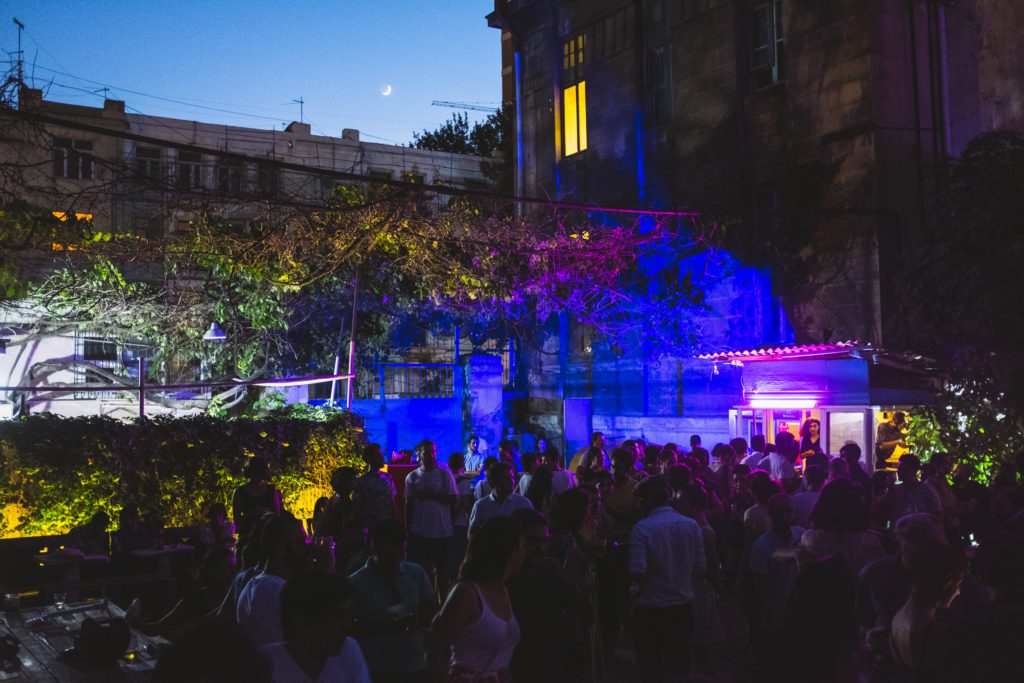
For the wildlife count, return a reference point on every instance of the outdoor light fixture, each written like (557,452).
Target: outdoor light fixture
(779,402)
(214,334)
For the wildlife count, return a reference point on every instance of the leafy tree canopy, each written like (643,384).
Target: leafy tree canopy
(282,290)
(962,300)
(491,139)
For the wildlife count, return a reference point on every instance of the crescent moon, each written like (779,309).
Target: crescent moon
(386,90)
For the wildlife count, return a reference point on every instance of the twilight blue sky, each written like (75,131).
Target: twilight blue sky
(255,57)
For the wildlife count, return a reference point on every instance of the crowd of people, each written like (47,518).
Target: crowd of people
(516,567)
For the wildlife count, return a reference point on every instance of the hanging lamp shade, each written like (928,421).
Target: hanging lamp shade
(214,333)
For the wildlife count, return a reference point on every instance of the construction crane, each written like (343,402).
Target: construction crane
(463,105)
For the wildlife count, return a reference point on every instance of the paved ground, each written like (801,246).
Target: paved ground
(731,659)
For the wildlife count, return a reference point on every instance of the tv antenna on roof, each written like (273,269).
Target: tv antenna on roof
(463,105)
(21,61)
(300,102)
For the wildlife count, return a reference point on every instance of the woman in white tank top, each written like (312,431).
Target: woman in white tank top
(475,632)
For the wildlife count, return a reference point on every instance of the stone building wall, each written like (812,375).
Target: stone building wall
(874,96)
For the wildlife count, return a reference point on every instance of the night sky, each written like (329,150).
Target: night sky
(255,57)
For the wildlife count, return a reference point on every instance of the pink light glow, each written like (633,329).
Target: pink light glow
(790,402)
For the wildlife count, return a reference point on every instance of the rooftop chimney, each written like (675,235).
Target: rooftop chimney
(350,134)
(300,130)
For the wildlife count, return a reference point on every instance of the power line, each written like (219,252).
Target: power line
(221,110)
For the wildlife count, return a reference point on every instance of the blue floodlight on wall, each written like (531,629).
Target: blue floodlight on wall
(214,334)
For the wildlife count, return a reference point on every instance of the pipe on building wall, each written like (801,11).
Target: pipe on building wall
(916,89)
(934,105)
(947,127)
(518,56)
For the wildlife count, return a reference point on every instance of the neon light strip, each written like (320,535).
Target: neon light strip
(783,403)
(286,382)
(301,381)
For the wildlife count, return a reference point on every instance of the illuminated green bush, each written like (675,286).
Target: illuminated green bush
(56,472)
(972,421)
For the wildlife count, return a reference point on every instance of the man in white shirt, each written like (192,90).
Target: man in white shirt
(501,501)
(259,604)
(780,463)
(666,552)
(316,620)
(757,452)
(474,456)
(430,496)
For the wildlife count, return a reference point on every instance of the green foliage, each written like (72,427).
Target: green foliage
(490,139)
(970,421)
(455,135)
(270,401)
(56,472)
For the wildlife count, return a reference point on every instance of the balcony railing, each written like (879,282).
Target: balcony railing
(407,380)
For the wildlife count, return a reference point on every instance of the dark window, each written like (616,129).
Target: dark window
(72,159)
(767,49)
(147,226)
(190,170)
(658,77)
(147,163)
(613,33)
(229,177)
(267,179)
(656,23)
(98,350)
(767,212)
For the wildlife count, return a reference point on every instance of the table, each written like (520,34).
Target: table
(163,556)
(70,565)
(44,634)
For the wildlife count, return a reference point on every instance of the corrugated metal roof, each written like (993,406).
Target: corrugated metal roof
(786,352)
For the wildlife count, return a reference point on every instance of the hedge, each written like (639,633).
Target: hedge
(56,472)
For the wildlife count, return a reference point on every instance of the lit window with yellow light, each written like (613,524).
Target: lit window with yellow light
(63,217)
(574,100)
(573,129)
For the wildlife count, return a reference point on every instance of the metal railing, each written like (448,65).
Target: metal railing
(142,388)
(407,380)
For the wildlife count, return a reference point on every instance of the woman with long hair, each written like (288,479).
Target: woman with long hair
(810,437)
(475,632)
(840,527)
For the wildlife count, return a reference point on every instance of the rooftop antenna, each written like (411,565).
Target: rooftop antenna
(300,102)
(462,105)
(21,61)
